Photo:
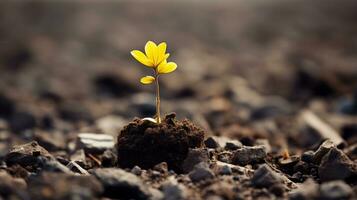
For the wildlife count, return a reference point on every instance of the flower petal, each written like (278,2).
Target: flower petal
(150,50)
(161,52)
(165,68)
(147,80)
(141,57)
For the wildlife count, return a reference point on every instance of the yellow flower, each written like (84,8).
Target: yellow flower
(155,57)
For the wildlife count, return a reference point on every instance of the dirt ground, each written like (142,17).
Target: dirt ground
(272,85)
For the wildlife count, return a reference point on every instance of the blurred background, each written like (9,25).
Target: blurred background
(245,68)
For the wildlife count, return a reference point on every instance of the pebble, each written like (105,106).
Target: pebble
(211,142)
(336,165)
(109,158)
(136,170)
(26,154)
(121,184)
(249,155)
(174,191)
(323,149)
(201,173)
(194,157)
(94,143)
(307,156)
(265,177)
(233,145)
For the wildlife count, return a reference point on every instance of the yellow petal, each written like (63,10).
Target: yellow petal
(161,52)
(147,80)
(150,50)
(141,57)
(165,68)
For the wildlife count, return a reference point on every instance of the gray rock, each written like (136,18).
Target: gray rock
(201,172)
(335,190)
(225,170)
(307,156)
(109,158)
(335,165)
(123,185)
(212,143)
(194,157)
(94,143)
(249,155)
(323,149)
(136,170)
(172,190)
(265,177)
(233,145)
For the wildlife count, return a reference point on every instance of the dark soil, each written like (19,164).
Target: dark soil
(146,144)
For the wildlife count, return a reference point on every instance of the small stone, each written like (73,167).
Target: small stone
(233,145)
(249,155)
(136,170)
(109,158)
(26,154)
(94,143)
(307,156)
(265,177)
(172,190)
(210,142)
(161,167)
(335,165)
(121,184)
(200,173)
(324,148)
(194,157)
(225,170)
(335,190)
(224,156)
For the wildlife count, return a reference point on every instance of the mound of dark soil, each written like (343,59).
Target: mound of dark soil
(145,144)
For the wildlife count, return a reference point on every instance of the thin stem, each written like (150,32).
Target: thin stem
(158,117)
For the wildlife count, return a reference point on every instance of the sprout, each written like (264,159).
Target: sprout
(155,57)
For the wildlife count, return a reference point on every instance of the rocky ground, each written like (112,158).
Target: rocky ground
(265,101)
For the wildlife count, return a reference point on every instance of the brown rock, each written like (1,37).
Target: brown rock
(26,154)
(335,165)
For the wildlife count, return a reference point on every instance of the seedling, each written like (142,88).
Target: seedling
(155,57)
